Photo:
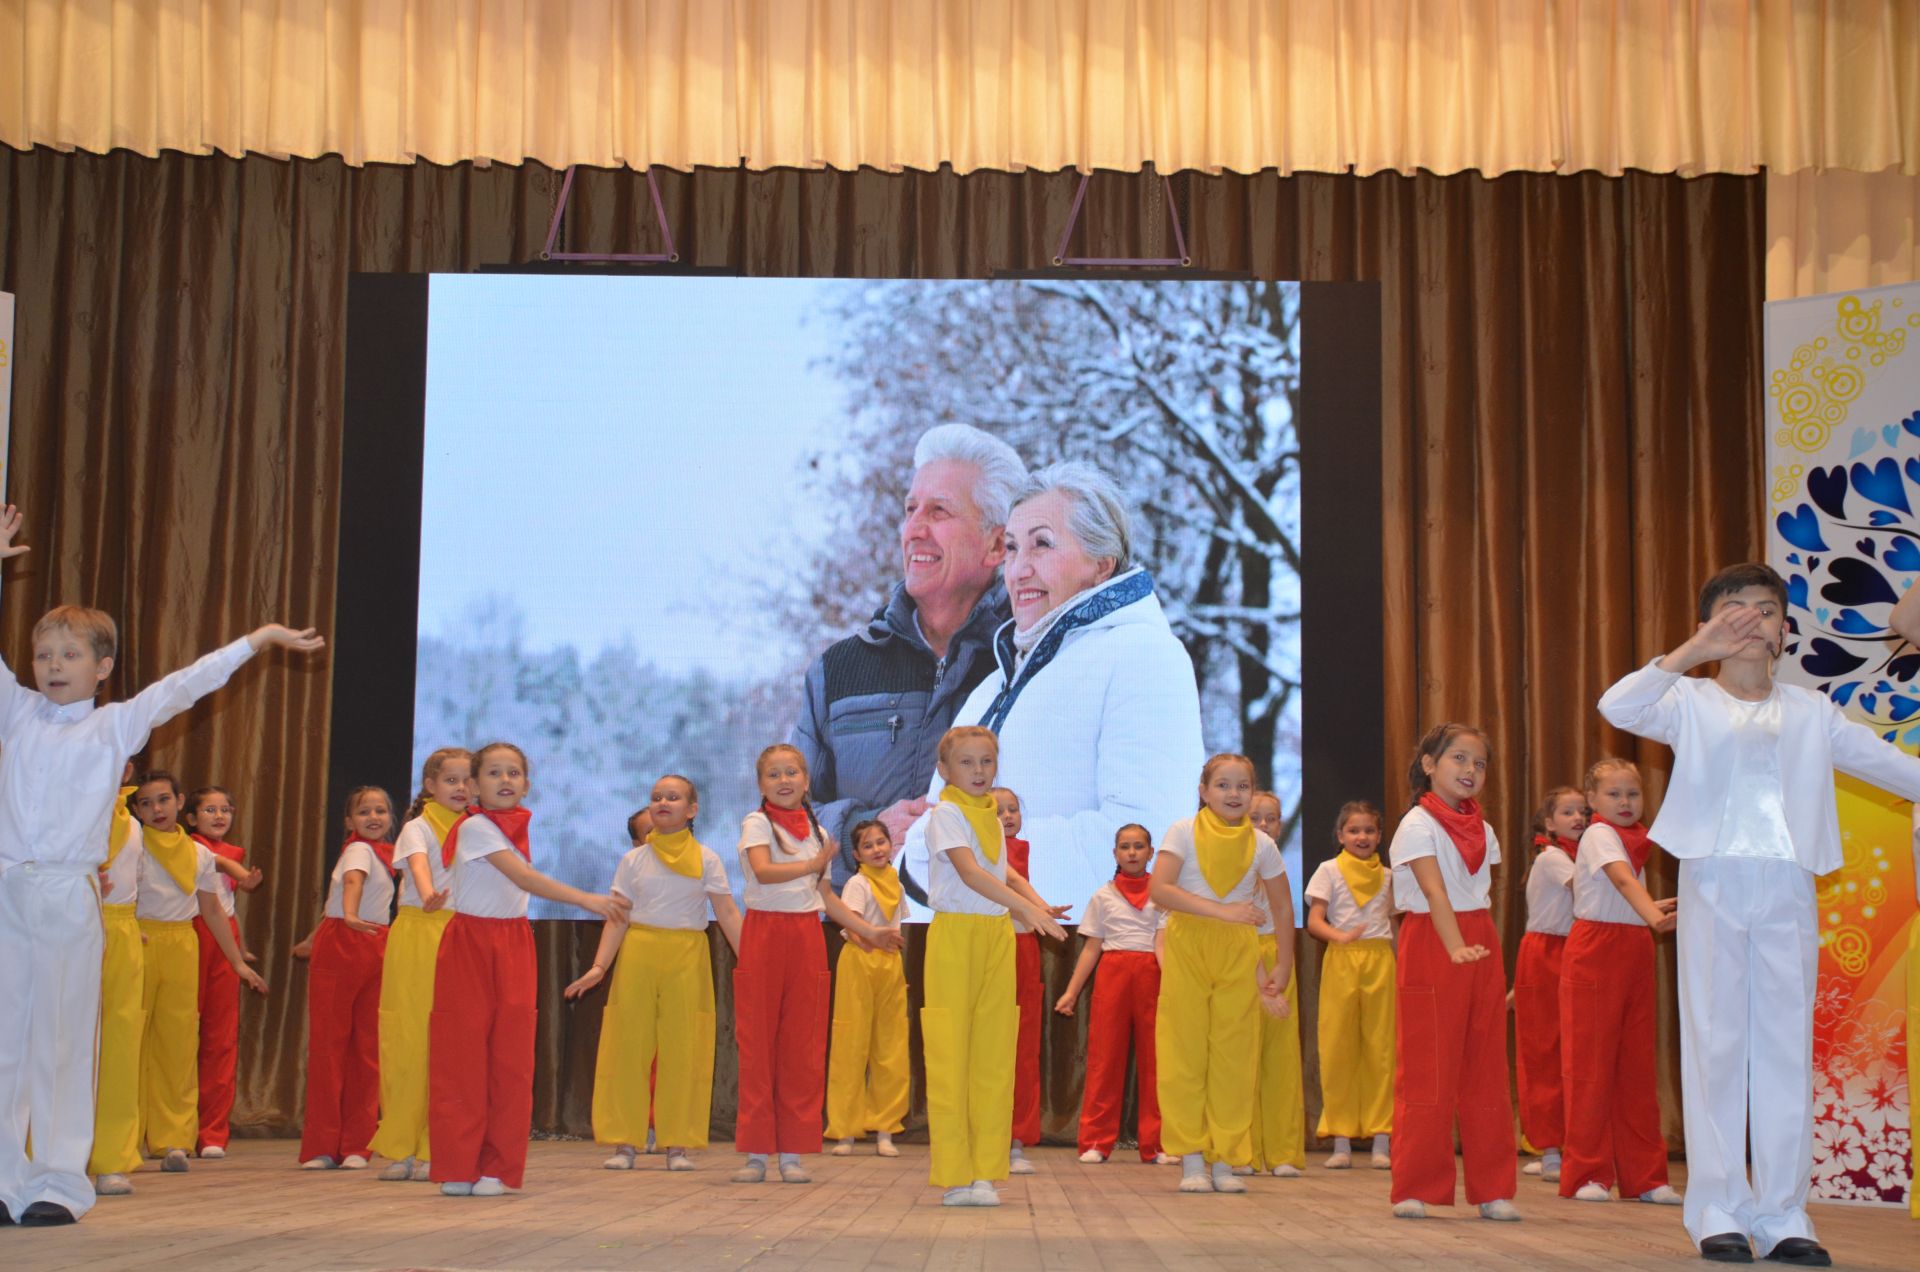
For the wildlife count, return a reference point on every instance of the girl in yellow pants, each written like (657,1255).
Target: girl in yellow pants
(123,1017)
(867,1070)
(407,968)
(655,1065)
(1349,907)
(1213,984)
(1279,1097)
(971,1019)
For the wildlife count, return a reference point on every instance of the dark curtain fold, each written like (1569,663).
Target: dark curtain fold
(1571,419)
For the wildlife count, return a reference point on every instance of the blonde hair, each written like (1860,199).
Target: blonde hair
(1591,782)
(1356,808)
(490,747)
(760,761)
(352,805)
(1217,762)
(96,627)
(430,770)
(1551,802)
(966,733)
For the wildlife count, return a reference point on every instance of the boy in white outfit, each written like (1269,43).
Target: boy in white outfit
(1750,815)
(60,762)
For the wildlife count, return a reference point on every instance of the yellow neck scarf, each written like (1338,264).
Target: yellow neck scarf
(120,831)
(983,814)
(885,882)
(678,852)
(1225,852)
(440,818)
(1364,877)
(174,850)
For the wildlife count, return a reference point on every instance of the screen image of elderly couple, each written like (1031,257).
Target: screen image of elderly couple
(851,515)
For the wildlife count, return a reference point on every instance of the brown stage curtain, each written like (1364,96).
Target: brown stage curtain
(1571,423)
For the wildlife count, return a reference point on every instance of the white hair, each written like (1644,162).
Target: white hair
(1096,514)
(1002,471)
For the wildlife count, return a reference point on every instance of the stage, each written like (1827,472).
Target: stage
(257,1209)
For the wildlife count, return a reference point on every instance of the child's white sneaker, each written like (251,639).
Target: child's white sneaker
(422,1172)
(1243,1170)
(175,1162)
(752,1171)
(1165,1159)
(460,1188)
(1533,1167)
(1381,1161)
(354,1162)
(1664,1195)
(322,1162)
(843,1149)
(1226,1179)
(212,1153)
(1502,1211)
(1593,1190)
(962,1195)
(1018,1164)
(622,1158)
(488,1186)
(1286,1171)
(1340,1161)
(883,1145)
(1091,1157)
(677,1159)
(794,1173)
(397,1172)
(1411,1208)
(984,1193)
(1198,1183)
(112,1186)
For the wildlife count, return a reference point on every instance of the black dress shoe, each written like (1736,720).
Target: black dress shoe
(1801,1252)
(45,1214)
(1726,1247)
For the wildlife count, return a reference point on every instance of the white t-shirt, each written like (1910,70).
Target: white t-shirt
(376,892)
(479,889)
(1421,835)
(122,883)
(161,899)
(417,837)
(1595,899)
(947,892)
(858,897)
(1549,892)
(1121,928)
(1266,865)
(1330,886)
(795,896)
(663,897)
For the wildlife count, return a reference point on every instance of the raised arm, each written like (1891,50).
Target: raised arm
(767,870)
(1655,915)
(243,878)
(1860,752)
(422,875)
(531,881)
(999,893)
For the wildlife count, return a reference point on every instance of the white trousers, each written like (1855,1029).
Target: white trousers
(1749,949)
(50,946)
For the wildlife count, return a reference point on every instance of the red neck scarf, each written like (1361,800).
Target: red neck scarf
(1466,828)
(381,849)
(1634,839)
(511,821)
(221,848)
(1569,846)
(794,821)
(1017,855)
(1133,887)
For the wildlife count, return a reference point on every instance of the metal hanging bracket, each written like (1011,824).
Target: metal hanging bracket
(1060,256)
(624,258)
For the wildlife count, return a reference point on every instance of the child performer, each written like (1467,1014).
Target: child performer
(1214,982)
(780,986)
(1348,907)
(1536,977)
(178,882)
(867,1068)
(60,761)
(480,1107)
(208,816)
(655,1065)
(1750,812)
(1279,1095)
(1117,931)
(1030,992)
(971,1021)
(1451,1035)
(413,951)
(1606,1002)
(116,1112)
(343,993)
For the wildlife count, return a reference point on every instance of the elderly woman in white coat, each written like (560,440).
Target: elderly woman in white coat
(1094,698)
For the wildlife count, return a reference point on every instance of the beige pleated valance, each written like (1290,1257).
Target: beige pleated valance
(1684,86)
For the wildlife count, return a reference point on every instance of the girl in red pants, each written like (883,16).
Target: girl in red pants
(208,815)
(1606,1003)
(480,1107)
(343,991)
(780,1018)
(1451,1038)
(1030,994)
(1536,976)
(1117,931)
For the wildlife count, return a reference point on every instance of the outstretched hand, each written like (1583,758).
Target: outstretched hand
(9,526)
(304,641)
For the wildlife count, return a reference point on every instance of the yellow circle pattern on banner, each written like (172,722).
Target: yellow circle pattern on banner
(1814,391)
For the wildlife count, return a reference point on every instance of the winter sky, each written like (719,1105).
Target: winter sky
(620,456)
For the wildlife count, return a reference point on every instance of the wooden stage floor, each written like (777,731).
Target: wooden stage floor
(256,1210)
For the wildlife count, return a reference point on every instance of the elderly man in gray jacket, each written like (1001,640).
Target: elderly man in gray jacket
(877,701)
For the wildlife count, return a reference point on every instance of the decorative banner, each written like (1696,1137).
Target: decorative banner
(1843,458)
